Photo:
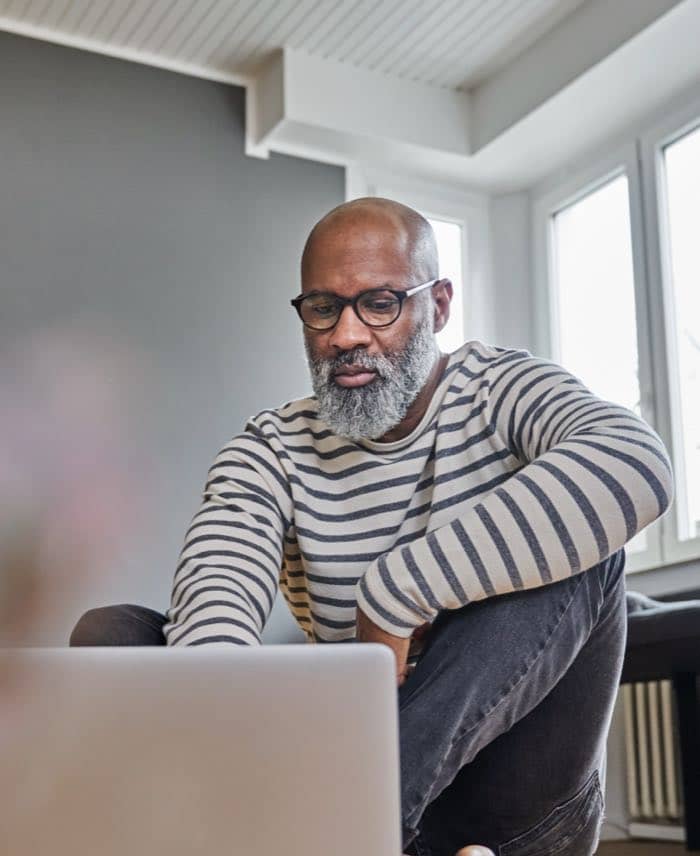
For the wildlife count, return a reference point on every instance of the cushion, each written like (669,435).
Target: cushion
(663,638)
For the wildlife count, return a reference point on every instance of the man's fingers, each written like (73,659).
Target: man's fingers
(401,676)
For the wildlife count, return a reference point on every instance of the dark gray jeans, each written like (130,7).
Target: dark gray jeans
(503,721)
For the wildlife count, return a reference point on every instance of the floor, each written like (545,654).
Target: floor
(640,848)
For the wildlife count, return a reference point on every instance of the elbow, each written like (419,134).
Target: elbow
(662,480)
(668,485)
(664,483)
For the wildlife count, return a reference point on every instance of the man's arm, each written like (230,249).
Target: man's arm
(593,475)
(228,571)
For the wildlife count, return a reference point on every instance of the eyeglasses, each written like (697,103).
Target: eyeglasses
(376,307)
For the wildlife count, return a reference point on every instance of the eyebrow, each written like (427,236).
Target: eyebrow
(333,294)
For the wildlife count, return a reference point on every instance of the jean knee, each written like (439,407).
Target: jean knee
(123,624)
(90,628)
(609,572)
(570,829)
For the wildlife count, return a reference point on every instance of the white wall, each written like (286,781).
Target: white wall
(511,271)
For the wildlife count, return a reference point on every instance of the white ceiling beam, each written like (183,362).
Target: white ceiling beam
(651,75)
(335,113)
(297,95)
(592,32)
(592,77)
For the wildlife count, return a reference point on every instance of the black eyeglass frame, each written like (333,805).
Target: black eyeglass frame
(342,302)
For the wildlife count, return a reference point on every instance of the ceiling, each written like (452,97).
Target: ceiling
(474,94)
(446,43)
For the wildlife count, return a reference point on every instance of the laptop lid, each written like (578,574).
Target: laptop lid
(200,750)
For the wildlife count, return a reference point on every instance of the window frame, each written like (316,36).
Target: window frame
(651,143)
(467,209)
(551,197)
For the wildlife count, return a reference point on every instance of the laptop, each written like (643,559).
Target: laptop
(199,751)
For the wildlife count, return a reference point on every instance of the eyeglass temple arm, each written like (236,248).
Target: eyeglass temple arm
(348,300)
(417,288)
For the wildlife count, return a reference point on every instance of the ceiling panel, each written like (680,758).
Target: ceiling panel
(137,23)
(401,57)
(445,43)
(459,47)
(242,36)
(155,37)
(377,20)
(284,19)
(52,12)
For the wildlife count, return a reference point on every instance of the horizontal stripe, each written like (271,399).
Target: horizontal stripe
(549,401)
(204,519)
(254,546)
(377,607)
(262,613)
(516,462)
(500,542)
(249,557)
(324,621)
(473,555)
(528,533)
(646,472)
(177,611)
(588,513)
(628,440)
(186,617)
(613,485)
(207,622)
(446,568)
(556,520)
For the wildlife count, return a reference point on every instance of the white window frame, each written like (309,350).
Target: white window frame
(548,199)
(468,209)
(641,159)
(651,144)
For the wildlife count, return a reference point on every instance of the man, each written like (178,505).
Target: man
(468,510)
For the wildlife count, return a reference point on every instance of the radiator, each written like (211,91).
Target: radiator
(654,791)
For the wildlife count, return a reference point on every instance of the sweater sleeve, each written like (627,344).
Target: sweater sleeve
(592,475)
(227,575)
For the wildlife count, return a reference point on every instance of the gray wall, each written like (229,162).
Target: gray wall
(146,266)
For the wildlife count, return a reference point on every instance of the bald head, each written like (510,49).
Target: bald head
(369,225)
(359,249)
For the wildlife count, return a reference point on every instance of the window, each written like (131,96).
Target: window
(593,303)
(450,241)
(460,219)
(681,171)
(594,293)
(617,290)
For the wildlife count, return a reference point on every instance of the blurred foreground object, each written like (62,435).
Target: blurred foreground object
(72,403)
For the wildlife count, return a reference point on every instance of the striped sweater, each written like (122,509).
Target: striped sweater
(515,477)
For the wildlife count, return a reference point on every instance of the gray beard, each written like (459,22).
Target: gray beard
(368,412)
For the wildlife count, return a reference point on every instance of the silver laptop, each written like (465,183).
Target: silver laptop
(199,751)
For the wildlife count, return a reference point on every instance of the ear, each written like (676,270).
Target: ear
(442,296)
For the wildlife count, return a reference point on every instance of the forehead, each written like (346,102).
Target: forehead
(358,254)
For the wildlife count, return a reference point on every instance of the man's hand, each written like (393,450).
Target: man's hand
(367,631)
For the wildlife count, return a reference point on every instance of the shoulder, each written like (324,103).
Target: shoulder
(296,422)
(482,362)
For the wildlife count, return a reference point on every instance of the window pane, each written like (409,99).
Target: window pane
(682,162)
(449,241)
(594,294)
(594,282)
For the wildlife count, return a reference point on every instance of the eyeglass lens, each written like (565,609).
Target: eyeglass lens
(376,308)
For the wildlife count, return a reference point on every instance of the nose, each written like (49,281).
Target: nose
(349,332)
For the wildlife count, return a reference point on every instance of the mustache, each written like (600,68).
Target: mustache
(378,363)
